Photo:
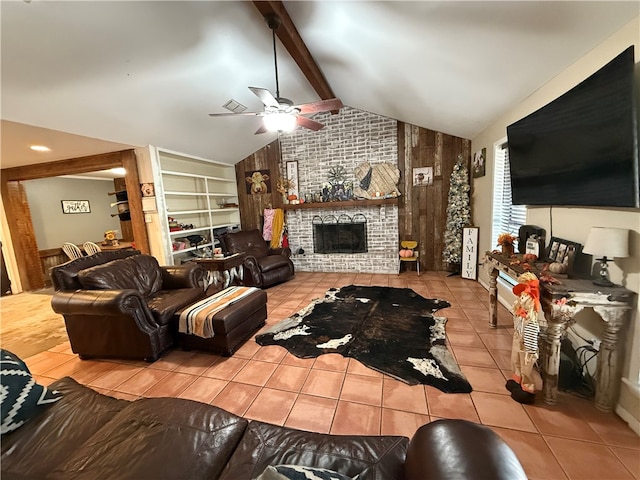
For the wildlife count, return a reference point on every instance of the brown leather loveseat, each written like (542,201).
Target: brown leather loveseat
(263,266)
(88,436)
(120,303)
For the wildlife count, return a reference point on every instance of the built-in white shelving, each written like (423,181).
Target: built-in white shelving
(192,192)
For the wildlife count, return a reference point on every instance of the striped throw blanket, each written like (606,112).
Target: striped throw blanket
(198,318)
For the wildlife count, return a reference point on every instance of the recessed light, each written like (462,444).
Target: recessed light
(40,148)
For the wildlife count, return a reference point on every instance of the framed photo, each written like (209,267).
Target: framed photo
(75,206)
(563,251)
(422,176)
(478,166)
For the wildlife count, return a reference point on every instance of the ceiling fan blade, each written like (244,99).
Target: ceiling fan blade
(234,114)
(308,123)
(265,96)
(321,106)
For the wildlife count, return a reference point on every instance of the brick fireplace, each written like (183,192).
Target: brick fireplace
(382,241)
(348,139)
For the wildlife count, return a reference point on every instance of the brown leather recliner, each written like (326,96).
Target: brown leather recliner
(120,304)
(263,266)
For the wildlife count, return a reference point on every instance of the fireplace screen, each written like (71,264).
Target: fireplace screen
(340,235)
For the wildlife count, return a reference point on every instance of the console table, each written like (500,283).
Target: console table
(560,303)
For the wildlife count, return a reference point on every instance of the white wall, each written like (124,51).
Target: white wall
(53,228)
(574,223)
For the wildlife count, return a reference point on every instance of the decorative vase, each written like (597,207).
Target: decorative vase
(507,249)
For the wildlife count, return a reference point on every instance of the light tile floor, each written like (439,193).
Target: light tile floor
(331,394)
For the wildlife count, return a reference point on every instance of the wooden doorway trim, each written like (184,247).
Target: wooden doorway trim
(18,213)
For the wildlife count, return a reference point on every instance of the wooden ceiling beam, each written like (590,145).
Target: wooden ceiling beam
(290,38)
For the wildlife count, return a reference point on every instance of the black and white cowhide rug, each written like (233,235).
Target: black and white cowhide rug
(391,330)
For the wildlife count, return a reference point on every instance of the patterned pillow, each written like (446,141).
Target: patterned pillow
(297,472)
(21,397)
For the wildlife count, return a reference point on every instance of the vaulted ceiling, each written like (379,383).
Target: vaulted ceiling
(105,75)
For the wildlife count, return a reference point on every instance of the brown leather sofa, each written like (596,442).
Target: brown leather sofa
(87,435)
(121,304)
(263,266)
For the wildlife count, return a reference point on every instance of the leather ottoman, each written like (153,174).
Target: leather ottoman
(232,326)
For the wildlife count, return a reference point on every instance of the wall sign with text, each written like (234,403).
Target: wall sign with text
(470,253)
(75,206)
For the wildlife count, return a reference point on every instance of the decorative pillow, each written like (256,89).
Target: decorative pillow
(21,398)
(297,472)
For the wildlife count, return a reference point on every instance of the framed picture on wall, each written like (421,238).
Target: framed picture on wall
(479,159)
(422,176)
(75,206)
(258,182)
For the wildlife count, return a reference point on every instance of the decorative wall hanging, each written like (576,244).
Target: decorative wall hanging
(75,206)
(147,189)
(258,182)
(478,163)
(292,176)
(375,181)
(422,176)
(469,253)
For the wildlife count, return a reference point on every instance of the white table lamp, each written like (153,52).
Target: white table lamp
(606,242)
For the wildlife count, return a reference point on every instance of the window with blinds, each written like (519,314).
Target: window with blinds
(507,218)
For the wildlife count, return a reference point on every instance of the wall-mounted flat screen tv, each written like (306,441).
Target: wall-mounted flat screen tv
(582,148)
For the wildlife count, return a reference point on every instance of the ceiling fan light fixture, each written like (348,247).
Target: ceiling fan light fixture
(279,122)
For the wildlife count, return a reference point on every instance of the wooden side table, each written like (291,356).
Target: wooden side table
(224,270)
(560,304)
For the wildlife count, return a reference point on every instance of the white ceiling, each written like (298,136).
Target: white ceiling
(136,73)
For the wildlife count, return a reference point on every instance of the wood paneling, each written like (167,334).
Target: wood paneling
(422,211)
(252,206)
(18,214)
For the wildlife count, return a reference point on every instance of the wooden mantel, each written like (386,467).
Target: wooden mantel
(347,203)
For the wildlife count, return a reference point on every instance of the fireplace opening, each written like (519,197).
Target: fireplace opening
(344,234)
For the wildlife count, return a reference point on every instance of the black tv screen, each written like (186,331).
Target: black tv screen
(580,149)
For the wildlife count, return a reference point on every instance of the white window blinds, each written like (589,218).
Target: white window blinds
(507,218)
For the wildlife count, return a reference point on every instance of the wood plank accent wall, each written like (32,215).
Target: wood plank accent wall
(422,213)
(16,206)
(252,206)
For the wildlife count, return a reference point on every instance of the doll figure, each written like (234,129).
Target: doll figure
(524,351)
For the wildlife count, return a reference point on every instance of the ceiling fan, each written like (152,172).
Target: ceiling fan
(280,114)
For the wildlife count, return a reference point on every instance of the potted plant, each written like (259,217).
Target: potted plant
(505,242)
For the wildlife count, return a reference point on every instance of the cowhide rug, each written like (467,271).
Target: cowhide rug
(391,330)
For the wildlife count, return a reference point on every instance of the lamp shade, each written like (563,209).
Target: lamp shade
(607,242)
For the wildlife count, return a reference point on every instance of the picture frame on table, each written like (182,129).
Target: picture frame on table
(563,251)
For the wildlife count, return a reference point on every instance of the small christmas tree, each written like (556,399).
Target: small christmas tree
(458,214)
